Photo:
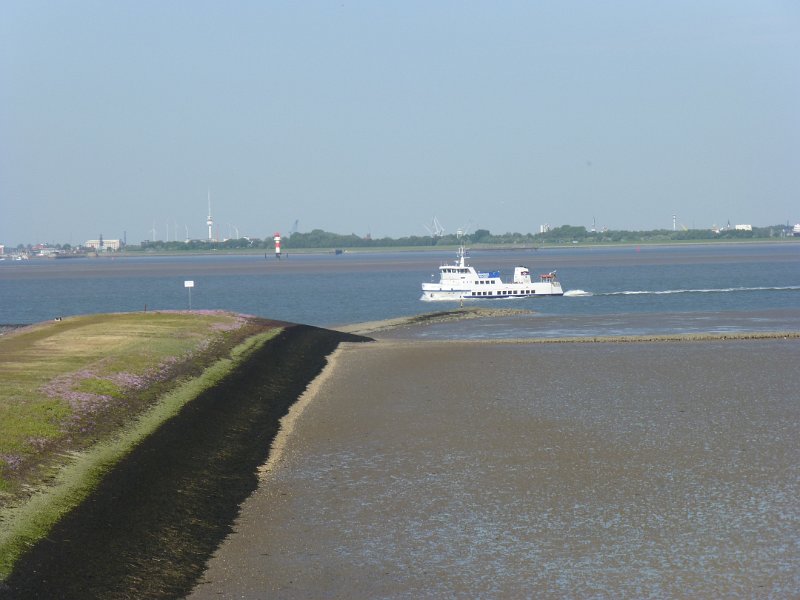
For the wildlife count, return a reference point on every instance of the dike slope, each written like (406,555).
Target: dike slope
(150,526)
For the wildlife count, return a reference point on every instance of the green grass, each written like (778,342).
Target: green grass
(101,387)
(36,428)
(38,420)
(61,382)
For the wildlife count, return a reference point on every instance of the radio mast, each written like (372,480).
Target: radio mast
(210,221)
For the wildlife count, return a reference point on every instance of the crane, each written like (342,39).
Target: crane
(435,228)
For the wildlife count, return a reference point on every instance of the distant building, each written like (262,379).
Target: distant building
(743,227)
(43,250)
(2,249)
(103,245)
(796,230)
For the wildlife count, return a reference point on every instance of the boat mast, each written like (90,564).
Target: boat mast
(462,251)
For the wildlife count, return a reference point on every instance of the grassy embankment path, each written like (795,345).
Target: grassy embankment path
(126,435)
(76,395)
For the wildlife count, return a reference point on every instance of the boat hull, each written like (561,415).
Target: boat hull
(434,292)
(460,281)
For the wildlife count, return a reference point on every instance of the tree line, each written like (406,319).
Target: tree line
(566,234)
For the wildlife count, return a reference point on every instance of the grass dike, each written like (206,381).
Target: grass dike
(130,498)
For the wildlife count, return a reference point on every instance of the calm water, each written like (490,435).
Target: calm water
(740,287)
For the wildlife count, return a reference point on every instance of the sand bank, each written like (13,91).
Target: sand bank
(514,469)
(457,314)
(385,329)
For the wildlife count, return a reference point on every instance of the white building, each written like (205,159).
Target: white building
(107,245)
(743,228)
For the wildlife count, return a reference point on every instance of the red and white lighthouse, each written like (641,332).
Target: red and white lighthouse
(277,240)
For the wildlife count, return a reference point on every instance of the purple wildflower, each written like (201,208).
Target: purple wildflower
(12,461)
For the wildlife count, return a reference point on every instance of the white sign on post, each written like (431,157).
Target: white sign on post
(189,285)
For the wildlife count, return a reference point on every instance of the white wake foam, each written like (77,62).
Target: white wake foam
(702,291)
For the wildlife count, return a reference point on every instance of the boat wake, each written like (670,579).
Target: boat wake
(791,288)
(577,293)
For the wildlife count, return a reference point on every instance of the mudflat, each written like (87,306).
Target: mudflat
(600,469)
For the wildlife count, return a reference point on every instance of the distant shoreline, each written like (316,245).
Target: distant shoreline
(423,249)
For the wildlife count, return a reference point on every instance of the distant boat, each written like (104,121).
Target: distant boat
(460,281)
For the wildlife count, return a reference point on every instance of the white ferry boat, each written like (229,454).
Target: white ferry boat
(460,281)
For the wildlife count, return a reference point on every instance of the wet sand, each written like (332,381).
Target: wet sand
(600,469)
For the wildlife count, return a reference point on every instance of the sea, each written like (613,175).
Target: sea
(621,290)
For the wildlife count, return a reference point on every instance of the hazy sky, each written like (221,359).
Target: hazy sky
(374,117)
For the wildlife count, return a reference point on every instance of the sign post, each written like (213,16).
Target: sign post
(189,285)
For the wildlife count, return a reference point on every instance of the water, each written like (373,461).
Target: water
(610,291)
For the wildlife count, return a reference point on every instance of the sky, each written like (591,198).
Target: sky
(121,118)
